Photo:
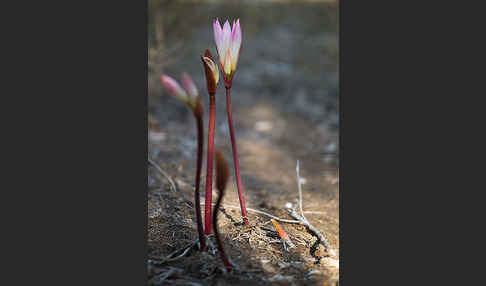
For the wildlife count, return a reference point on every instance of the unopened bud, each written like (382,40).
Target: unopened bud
(212,72)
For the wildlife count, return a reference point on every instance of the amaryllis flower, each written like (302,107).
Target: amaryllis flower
(228,44)
(189,94)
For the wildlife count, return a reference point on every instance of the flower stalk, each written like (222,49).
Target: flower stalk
(222,174)
(212,77)
(209,164)
(197,195)
(235,157)
(190,96)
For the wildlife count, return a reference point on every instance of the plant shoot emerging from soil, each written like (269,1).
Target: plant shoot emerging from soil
(191,96)
(222,174)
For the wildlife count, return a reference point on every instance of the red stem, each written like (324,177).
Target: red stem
(222,252)
(197,199)
(235,157)
(209,168)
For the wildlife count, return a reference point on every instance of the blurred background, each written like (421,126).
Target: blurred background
(285,102)
(288,67)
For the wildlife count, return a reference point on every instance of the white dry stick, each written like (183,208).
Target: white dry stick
(171,182)
(299,184)
(314,212)
(302,218)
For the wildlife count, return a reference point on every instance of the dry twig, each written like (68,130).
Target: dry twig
(301,218)
(299,184)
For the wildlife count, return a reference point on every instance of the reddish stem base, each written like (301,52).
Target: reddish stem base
(209,165)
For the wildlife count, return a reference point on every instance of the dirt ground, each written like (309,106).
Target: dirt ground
(285,108)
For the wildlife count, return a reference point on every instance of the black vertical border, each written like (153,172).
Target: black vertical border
(396,73)
(79,212)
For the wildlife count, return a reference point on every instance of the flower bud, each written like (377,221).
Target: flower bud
(212,72)
(191,89)
(174,88)
(189,94)
(189,85)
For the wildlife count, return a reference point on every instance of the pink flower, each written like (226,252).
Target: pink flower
(189,94)
(228,44)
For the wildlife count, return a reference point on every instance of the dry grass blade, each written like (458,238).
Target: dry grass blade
(171,182)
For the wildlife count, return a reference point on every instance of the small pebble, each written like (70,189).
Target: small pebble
(263,126)
(330,148)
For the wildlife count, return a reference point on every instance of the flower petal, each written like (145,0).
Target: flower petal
(235,44)
(189,85)
(218,36)
(226,39)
